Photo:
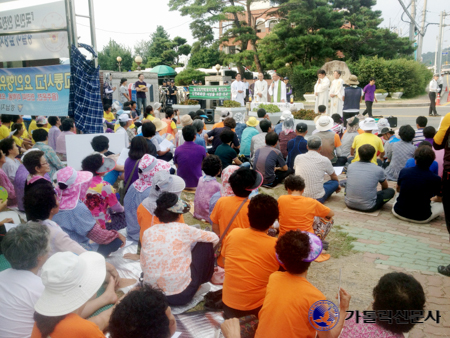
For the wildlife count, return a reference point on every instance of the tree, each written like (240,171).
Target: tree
(311,32)
(107,58)
(238,29)
(206,57)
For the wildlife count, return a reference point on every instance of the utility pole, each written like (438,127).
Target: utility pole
(422,29)
(412,25)
(439,45)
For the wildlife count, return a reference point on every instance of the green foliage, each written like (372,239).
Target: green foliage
(206,57)
(189,103)
(302,79)
(231,104)
(304,114)
(380,91)
(393,75)
(107,58)
(269,108)
(186,76)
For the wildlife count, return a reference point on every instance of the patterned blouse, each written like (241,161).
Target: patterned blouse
(364,330)
(166,255)
(401,152)
(100,196)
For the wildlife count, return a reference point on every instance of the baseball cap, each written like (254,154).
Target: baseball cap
(124,118)
(41,120)
(302,127)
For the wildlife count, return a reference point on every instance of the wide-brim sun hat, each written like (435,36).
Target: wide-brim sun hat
(383,123)
(108,165)
(160,125)
(164,181)
(148,167)
(70,280)
(285,115)
(77,186)
(181,207)
(186,120)
(252,122)
(258,182)
(353,80)
(368,124)
(324,123)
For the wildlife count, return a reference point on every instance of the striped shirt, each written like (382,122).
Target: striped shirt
(419,136)
(401,152)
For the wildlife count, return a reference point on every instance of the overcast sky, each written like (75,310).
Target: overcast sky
(129,21)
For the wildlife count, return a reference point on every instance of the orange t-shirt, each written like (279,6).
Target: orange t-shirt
(250,259)
(286,305)
(224,210)
(360,131)
(298,212)
(146,220)
(73,326)
(337,140)
(218,125)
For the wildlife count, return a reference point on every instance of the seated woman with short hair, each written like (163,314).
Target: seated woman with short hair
(418,188)
(176,257)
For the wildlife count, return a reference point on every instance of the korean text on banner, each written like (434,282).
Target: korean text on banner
(15,17)
(35,90)
(210,92)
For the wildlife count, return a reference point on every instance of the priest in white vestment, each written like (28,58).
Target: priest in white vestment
(321,89)
(277,89)
(260,89)
(336,94)
(238,90)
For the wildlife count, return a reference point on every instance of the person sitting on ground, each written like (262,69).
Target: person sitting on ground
(240,125)
(395,292)
(76,219)
(32,125)
(297,212)
(362,181)
(18,130)
(54,131)
(101,197)
(148,132)
(279,126)
(200,137)
(207,187)
(421,123)
(434,167)
(418,189)
(188,158)
(186,120)
(229,124)
(322,109)
(139,191)
(338,127)
(249,260)
(176,257)
(283,315)
(100,144)
(262,115)
(225,188)
(40,136)
(287,133)
(388,137)
(331,143)
(78,277)
(228,155)
(428,134)
(312,167)
(171,123)
(259,140)
(242,181)
(5,127)
(125,128)
(6,183)
(38,167)
(225,113)
(350,133)
(9,148)
(298,145)
(138,148)
(68,128)
(108,115)
(247,135)
(26,138)
(401,152)
(144,312)
(368,125)
(269,161)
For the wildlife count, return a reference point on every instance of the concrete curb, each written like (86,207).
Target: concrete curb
(381,105)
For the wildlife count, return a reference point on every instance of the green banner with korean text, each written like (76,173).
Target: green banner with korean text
(210,92)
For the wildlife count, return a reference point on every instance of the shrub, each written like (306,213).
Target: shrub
(304,114)
(189,103)
(303,80)
(231,104)
(269,108)
(186,76)
(380,91)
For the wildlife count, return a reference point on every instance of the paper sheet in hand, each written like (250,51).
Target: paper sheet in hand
(9,226)
(166,144)
(123,156)
(338,170)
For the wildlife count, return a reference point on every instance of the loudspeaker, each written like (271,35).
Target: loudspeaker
(392,121)
(210,116)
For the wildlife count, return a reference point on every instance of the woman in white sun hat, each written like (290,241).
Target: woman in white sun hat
(70,282)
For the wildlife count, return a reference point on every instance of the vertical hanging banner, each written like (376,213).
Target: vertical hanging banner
(35,90)
(18,17)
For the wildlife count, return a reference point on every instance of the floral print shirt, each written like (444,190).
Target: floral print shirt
(99,197)
(166,255)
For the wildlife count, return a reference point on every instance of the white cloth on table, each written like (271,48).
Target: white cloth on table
(336,102)
(237,86)
(321,89)
(260,87)
(273,92)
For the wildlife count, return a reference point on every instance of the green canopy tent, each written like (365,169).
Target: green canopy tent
(163,70)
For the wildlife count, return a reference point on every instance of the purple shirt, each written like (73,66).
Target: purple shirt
(139,84)
(129,165)
(369,92)
(189,157)
(61,142)
(53,134)
(19,184)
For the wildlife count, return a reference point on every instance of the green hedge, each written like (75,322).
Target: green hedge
(186,76)
(408,76)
